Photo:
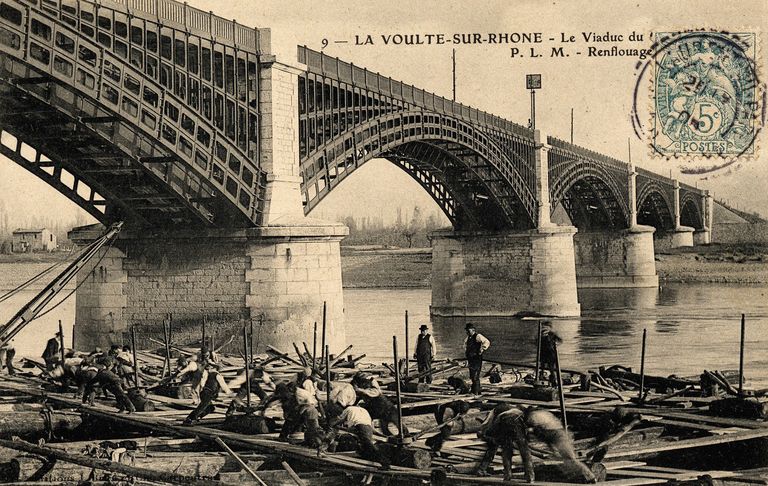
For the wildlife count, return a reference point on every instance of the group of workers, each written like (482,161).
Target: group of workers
(111,372)
(322,413)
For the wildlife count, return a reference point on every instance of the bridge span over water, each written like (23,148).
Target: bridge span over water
(214,152)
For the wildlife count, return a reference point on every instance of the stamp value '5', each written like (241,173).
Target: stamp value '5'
(706,95)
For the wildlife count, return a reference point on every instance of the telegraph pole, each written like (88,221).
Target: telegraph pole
(453,60)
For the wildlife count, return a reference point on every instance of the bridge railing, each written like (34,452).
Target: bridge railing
(668,180)
(333,67)
(586,153)
(170,12)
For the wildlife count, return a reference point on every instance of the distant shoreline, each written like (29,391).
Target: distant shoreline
(382,268)
(34,257)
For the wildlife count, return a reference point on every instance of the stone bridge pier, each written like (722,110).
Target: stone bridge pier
(278,277)
(498,274)
(616,258)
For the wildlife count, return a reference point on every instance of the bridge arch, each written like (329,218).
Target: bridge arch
(691,211)
(654,207)
(463,169)
(139,144)
(591,196)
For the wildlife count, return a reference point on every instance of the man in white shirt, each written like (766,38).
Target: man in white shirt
(475,345)
(7,353)
(358,421)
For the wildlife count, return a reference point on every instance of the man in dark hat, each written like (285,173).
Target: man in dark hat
(51,353)
(549,342)
(425,354)
(475,345)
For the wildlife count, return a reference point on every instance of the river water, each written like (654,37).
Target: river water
(691,327)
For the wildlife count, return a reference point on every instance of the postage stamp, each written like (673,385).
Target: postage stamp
(706,95)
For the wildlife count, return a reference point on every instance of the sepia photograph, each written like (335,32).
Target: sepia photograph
(436,242)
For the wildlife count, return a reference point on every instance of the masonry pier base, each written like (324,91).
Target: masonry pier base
(675,238)
(277,276)
(702,237)
(502,273)
(611,258)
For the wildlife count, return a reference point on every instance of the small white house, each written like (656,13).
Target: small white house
(26,240)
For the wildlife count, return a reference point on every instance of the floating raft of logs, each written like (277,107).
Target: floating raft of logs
(671,434)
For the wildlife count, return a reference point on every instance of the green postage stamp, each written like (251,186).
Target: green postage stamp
(706,95)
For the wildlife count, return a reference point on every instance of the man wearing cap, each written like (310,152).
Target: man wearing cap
(425,354)
(475,345)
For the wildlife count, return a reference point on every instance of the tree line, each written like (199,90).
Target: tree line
(407,231)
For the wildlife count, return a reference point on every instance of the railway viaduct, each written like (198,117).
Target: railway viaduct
(214,152)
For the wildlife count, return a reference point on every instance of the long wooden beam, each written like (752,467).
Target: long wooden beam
(107,465)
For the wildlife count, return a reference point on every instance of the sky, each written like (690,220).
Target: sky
(600,90)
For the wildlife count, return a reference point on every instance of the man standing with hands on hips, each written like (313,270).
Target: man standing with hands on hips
(425,354)
(475,345)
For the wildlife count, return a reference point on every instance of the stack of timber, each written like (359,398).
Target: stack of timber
(675,430)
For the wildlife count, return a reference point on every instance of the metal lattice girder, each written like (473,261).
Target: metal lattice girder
(655,202)
(329,163)
(436,170)
(154,93)
(691,210)
(602,182)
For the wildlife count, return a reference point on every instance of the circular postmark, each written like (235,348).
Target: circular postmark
(705,105)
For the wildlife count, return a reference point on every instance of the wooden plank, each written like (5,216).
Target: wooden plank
(731,422)
(691,425)
(680,476)
(690,443)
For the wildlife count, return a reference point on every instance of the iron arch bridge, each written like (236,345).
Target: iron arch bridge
(150,111)
(479,168)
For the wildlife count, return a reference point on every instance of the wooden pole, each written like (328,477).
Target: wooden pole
(250,341)
(107,465)
(202,339)
(239,460)
(741,355)
(293,475)
(135,360)
(247,368)
(397,390)
(61,342)
(453,70)
(642,369)
(298,353)
(170,337)
(314,350)
(560,393)
(538,355)
(327,379)
(407,348)
(166,342)
(323,347)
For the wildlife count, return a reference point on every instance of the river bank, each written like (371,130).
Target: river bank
(377,267)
